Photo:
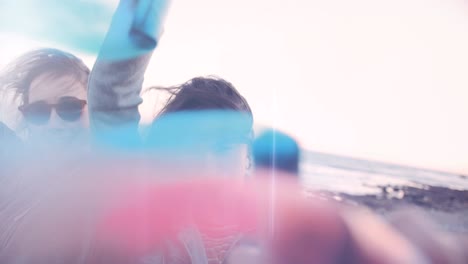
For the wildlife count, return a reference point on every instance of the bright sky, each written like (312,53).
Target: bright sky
(375,79)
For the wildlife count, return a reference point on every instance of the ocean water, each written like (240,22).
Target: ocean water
(319,171)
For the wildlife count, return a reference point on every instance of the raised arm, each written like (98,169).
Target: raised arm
(116,79)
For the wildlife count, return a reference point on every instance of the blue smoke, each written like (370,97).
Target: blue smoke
(82,26)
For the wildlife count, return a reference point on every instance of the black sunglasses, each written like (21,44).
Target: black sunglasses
(68,108)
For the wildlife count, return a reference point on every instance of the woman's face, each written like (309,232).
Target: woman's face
(57,107)
(204,160)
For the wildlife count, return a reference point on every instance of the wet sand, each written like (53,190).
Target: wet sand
(448,208)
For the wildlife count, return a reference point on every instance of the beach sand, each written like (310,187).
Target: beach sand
(446,207)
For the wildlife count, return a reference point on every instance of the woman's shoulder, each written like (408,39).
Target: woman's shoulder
(8,137)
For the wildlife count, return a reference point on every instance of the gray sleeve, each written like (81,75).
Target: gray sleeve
(116,80)
(114,96)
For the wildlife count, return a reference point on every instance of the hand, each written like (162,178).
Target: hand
(135,29)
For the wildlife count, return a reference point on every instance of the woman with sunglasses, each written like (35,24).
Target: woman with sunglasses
(53,84)
(52,87)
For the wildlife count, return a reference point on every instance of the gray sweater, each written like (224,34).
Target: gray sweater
(113,97)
